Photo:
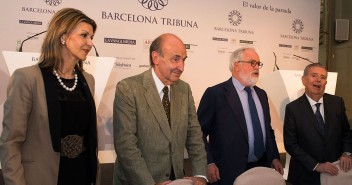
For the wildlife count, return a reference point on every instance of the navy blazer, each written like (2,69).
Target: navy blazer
(222,118)
(305,143)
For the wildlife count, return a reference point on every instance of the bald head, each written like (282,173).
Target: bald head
(158,44)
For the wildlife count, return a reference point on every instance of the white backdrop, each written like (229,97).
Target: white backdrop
(211,30)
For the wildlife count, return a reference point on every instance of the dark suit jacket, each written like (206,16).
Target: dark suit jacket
(306,145)
(221,117)
(30,140)
(145,144)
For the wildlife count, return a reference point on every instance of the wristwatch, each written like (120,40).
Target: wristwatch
(348,154)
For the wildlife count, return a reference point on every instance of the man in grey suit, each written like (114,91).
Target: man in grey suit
(316,131)
(154,119)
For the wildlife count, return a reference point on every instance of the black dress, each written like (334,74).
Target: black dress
(74,160)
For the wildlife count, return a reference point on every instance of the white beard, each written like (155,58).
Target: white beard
(248,80)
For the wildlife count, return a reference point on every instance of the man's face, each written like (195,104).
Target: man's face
(170,65)
(248,74)
(315,82)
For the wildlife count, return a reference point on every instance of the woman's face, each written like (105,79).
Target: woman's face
(79,42)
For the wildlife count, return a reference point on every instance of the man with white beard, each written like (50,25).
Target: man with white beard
(235,120)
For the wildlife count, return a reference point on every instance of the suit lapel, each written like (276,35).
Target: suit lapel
(54,110)
(92,140)
(235,103)
(93,123)
(176,104)
(151,95)
(327,113)
(87,91)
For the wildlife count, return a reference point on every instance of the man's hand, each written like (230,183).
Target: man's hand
(327,167)
(163,183)
(197,180)
(213,174)
(276,164)
(345,162)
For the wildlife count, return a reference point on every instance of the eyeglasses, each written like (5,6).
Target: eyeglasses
(253,63)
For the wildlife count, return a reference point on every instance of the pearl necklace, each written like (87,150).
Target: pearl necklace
(62,83)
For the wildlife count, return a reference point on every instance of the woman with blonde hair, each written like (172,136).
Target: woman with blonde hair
(49,132)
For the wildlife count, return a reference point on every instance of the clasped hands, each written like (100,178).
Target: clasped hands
(327,167)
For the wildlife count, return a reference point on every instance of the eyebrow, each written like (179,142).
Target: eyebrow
(179,56)
(84,30)
(318,74)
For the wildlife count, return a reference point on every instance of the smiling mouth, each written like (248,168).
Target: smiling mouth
(317,86)
(256,73)
(177,72)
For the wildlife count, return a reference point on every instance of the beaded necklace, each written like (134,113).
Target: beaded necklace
(62,83)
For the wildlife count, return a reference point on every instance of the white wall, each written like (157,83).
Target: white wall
(212,29)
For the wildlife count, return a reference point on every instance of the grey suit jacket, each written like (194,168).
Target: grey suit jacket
(26,147)
(145,145)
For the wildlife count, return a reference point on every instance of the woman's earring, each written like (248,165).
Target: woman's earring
(63,42)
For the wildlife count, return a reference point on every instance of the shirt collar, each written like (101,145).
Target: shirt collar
(238,85)
(313,102)
(158,83)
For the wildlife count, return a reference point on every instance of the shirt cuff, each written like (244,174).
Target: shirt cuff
(202,177)
(315,167)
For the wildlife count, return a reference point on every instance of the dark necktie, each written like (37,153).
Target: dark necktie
(166,102)
(257,130)
(166,105)
(320,119)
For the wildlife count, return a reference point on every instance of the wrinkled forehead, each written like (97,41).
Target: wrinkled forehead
(318,70)
(174,48)
(250,54)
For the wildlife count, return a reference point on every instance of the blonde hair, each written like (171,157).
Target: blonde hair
(63,22)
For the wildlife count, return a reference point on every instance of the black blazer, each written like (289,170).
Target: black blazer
(304,142)
(221,117)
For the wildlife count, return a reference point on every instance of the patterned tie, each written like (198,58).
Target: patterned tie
(257,130)
(166,102)
(320,119)
(166,105)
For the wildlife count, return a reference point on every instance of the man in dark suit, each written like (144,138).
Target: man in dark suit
(155,120)
(316,131)
(239,130)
